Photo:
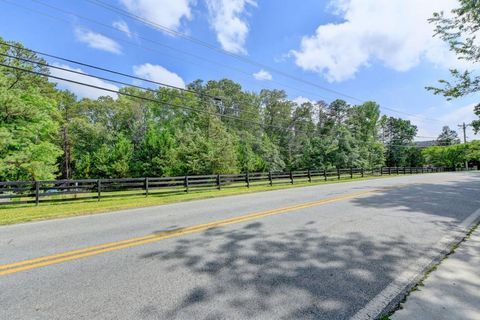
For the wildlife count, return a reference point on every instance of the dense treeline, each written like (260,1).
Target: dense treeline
(216,127)
(453,156)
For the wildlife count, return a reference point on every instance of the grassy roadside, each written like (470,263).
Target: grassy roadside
(11,214)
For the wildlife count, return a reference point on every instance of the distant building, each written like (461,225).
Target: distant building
(426,144)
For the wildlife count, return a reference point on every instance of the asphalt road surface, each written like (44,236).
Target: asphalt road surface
(322,252)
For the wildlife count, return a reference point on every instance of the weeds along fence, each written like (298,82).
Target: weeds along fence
(14,192)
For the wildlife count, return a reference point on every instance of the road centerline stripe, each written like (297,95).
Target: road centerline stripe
(29,264)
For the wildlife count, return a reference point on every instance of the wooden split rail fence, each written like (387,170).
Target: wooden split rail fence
(14,192)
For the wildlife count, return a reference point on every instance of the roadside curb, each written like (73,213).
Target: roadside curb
(393,295)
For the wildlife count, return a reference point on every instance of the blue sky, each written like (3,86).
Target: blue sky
(379,50)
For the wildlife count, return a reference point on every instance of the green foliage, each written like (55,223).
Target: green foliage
(476,123)
(473,152)
(398,135)
(461,30)
(48,133)
(28,132)
(453,156)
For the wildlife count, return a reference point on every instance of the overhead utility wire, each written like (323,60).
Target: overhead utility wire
(237,56)
(81,73)
(200,94)
(157,43)
(56,8)
(221,50)
(110,71)
(162,102)
(145,98)
(105,69)
(210,46)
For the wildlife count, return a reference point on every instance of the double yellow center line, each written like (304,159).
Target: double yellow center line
(10,268)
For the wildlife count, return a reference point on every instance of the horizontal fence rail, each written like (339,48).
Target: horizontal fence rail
(14,192)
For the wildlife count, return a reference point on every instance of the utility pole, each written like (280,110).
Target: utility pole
(464,127)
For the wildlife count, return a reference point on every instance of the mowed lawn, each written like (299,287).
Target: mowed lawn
(17,213)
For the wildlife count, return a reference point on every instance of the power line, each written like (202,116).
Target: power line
(200,94)
(145,98)
(212,46)
(157,43)
(95,67)
(409,145)
(244,59)
(237,56)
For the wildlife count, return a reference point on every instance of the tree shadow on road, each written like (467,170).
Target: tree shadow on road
(454,200)
(253,274)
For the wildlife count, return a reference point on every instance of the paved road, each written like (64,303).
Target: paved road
(322,252)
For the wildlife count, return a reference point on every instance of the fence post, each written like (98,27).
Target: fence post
(325,174)
(309,175)
(270,177)
(381,171)
(37,192)
(247,179)
(99,189)
(422,169)
(351,173)
(186,184)
(361,171)
(146,187)
(291,177)
(389,171)
(338,173)
(404,172)
(218,182)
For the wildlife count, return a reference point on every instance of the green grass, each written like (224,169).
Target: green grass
(18,213)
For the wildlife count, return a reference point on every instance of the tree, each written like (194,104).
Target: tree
(453,156)
(398,135)
(28,119)
(476,123)
(66,102)
(461,30)
(447,137)
(113,160)
(216,127)
(155,156)
(206,148)
(364,122)
(473,152)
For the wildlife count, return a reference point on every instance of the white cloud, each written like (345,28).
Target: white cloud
(395,32)
(301,100)
(262,75)
(122,26)
(97,41)
(80,90)
(451,117)
(167,13)
(227,18)
(159,74)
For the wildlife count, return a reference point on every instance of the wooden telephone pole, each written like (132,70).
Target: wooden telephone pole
(464,127)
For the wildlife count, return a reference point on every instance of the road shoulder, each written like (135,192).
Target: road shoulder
(451,290)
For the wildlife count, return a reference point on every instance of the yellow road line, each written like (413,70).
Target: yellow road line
(132,242)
